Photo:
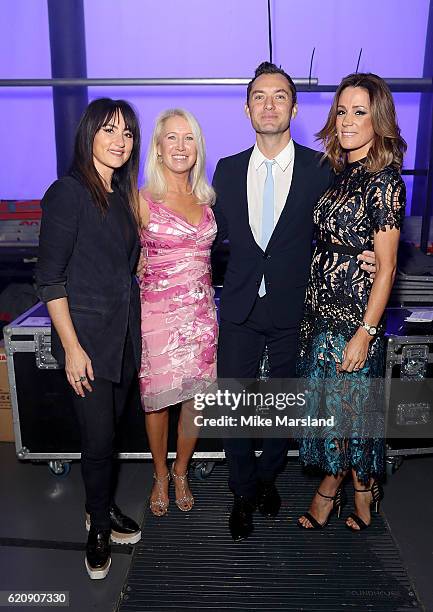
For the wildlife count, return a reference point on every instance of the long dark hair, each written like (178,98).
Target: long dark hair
(388,147)
(100,112)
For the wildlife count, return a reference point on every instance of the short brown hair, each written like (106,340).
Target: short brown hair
(388,147)
(268,68)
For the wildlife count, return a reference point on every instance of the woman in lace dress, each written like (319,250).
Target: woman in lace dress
(178,321)
(342,342)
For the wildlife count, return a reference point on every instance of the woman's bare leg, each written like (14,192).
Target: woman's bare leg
(362,502)
(157,434)
(320,506)
(187,434)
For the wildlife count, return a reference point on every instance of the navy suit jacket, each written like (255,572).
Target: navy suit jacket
(286,260)
(82,255)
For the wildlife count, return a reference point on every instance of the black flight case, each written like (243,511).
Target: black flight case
(45,425)
(46,428)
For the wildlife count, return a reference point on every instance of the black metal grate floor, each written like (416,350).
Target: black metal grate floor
(187,561)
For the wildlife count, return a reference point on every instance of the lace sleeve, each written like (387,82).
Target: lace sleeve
(386,200)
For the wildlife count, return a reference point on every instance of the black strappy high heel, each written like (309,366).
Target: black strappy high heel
(376,497)
(339,501)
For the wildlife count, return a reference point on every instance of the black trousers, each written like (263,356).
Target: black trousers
(98,414)
(240,348)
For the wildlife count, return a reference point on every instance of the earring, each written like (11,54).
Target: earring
(159,158)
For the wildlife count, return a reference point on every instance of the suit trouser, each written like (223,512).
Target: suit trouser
(98,414)
(240,348)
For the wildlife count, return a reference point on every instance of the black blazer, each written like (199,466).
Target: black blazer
(286,261)
(83,255)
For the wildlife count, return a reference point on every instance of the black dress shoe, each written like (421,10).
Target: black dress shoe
(123,529)
(268,499)
(241,518)
(98,553)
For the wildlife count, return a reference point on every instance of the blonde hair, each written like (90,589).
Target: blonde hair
(156,183)
(388,147)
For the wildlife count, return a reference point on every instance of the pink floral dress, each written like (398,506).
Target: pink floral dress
(178,316)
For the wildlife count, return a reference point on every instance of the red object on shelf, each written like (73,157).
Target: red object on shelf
(20,209)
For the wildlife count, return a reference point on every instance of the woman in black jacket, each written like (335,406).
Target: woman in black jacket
(88,253)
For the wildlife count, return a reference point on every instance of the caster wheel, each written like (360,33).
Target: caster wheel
(203,469)
(59,468)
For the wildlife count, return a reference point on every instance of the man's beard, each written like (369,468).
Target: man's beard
(276,130)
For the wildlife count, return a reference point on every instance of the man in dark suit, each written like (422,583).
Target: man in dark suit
(265,199)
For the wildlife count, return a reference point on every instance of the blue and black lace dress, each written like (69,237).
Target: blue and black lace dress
(346,217)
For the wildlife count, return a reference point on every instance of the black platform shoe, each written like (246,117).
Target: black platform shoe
(124,530)
(241,518)
(268,499)
(98,553)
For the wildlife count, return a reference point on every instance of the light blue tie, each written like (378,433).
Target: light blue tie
(267,215)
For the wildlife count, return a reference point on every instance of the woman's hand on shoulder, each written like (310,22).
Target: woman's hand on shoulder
(78,368)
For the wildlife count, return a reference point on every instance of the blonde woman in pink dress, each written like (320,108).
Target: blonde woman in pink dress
(178,321)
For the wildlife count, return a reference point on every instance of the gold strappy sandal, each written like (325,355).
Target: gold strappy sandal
(185,502)
(158,506)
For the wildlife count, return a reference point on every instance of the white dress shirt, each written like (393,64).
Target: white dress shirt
(282,172)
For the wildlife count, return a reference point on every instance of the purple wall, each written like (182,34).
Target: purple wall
(193,38)
(28,152)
